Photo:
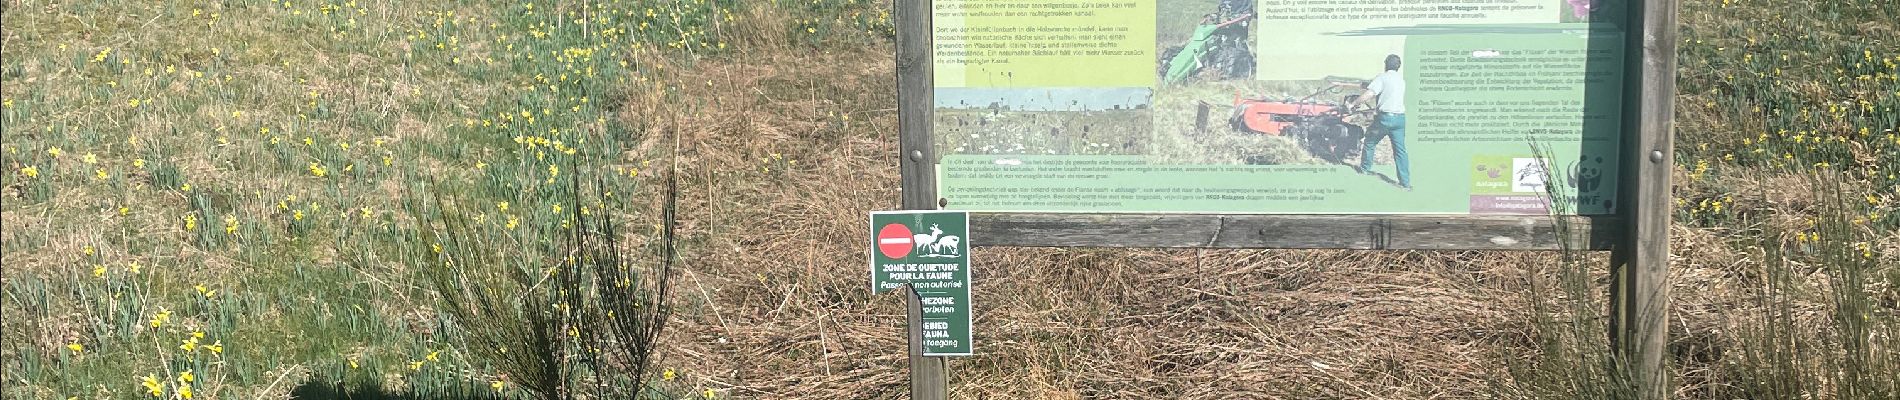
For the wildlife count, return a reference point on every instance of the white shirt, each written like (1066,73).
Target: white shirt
(1390,87)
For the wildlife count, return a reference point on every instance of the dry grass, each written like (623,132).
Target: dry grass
(779,307)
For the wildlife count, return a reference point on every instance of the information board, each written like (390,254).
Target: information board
(930,251)
(1278,106)
(1337,124)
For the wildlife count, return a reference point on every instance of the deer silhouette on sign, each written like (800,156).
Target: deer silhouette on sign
(936,244)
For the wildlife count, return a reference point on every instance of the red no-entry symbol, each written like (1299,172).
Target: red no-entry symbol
(894,241)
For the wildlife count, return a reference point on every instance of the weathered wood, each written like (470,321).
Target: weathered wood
(929,376)
(929,379)
(915,98)
(1417,232)
(1639,302)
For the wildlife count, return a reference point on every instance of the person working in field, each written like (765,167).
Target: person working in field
(1389,90)
(1188,60)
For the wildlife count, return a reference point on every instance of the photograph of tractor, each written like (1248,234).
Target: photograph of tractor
(1327,130)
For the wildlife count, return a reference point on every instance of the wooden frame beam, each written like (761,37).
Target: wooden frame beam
(1372,232)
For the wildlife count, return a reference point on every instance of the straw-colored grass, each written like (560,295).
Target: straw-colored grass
(786,138)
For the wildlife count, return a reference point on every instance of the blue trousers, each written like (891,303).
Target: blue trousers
(1389,125)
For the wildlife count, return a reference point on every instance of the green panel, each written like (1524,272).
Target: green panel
(931,252)
(1506,106)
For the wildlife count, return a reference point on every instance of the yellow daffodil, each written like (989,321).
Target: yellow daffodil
(150,382)
(55,152)
(30,171)
(498,385)
(164,315)
(76,347)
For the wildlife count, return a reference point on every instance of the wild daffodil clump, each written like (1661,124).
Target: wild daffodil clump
(1788,145)
(1764,89)
(217,200)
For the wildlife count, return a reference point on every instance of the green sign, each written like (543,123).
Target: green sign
(1278,106)
(929,250)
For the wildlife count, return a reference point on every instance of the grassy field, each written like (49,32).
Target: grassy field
(219,199)
(222,198)
(1098,132)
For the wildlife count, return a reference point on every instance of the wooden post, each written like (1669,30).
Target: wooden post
(929,376)
(1639,302)
(929,380)
(915,97)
